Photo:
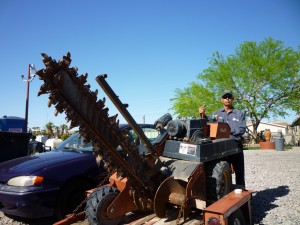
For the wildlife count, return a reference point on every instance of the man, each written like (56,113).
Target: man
(237,123)
(32,145)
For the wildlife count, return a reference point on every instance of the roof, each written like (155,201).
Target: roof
(279,122)
(275,124)
(296,122)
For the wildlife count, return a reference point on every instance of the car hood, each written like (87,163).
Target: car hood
(30,164)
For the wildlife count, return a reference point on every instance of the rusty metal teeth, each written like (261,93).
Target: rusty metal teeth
(104,111)
(46,58)
(65,61)
(70,116)
(60,106)
(84,130)
(56,112)
(69,110)
(50,64)
(72,72)
(73,124)
(113,119)
(87,86)
(52,100)
(82,79)
(44,89)
(101,103)
(67,119)
(41,74)
(93,95)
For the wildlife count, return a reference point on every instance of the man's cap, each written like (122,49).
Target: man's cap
(227,92)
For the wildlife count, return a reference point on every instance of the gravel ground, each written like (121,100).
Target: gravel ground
(274,178)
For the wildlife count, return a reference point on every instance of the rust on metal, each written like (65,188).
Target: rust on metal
(218,130)
(70,219)
(224,207)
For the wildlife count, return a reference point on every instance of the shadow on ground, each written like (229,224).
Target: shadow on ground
(263,201)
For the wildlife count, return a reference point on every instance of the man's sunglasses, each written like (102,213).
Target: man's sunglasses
(227,96)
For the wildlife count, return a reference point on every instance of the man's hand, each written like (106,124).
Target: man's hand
(202,109)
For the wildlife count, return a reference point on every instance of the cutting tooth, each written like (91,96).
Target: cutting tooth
(49,63)
(105,111)
(82,79)
(87,87)
(41,73)
(52,100)
(72,125)
(93,95)
(100,103)
(73,72)
(65,61)
(113,119)
(60,107)
(43,89)
(46,58)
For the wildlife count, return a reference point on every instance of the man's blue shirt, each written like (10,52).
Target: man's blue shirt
(236,121)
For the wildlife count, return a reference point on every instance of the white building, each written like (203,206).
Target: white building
(276,127)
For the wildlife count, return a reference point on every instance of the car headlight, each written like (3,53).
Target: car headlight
(23,181)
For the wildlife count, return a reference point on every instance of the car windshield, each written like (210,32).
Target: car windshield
(74,143)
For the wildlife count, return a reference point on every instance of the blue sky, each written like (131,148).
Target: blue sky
(147,48)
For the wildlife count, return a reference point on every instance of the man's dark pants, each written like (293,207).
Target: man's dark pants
(238,164)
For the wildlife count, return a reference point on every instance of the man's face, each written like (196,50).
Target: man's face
(227,100)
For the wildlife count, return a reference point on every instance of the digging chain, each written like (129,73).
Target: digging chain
(69,93)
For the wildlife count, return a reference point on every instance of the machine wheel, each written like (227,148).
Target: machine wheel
(218,180)
(70,196)
(237,218)
(97,204)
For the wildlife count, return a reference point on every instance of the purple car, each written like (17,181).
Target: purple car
(53,183)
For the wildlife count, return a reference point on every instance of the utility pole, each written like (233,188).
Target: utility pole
(31,75)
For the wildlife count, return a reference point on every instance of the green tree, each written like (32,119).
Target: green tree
(49,129)
(64,129)
(57,131)
(263,76)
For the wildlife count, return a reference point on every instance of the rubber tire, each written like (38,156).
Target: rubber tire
(218,180)
(237,218)
(70,196)
(97,204)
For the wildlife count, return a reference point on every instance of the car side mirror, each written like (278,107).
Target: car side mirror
(47,148)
